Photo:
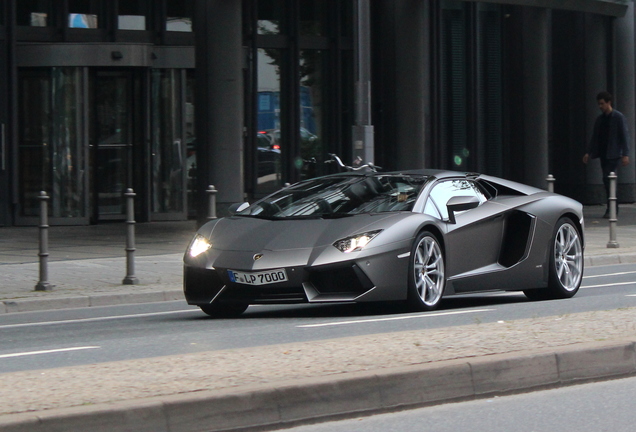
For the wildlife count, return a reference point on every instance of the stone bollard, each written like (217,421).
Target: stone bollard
(612,243)
(130,278)
(550,179)
(211,202)
(43,284)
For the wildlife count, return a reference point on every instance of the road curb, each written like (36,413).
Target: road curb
(97,300)
(610,259)
(274,405)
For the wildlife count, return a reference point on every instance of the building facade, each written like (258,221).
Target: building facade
(168,97)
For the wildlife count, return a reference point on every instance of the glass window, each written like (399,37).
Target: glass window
(132,15)
(312,89)
(179,15)
(313,17)
(111,141)
(445,190)
(167,141)
(191,154)
(269,17)
(34,13)
(84,13)
(50,147)
(336,196)
(268,139)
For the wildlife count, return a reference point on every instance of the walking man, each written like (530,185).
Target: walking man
(610,141)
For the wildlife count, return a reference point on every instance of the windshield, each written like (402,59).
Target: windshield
(340,196)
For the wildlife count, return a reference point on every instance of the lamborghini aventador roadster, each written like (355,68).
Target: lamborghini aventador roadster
(412,236)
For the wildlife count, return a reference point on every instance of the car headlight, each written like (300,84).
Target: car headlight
(199,245)
(355,243)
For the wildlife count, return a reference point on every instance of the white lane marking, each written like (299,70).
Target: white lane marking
(83,320)
(609,274)
(608,285)
(428,315)
(22,354)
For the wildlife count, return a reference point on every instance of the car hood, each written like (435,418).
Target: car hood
(248,234)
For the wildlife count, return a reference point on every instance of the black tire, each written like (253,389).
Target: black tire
(224,310)
(426,278)
(566,263)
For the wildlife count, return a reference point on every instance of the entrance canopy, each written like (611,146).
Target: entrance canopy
(616,8)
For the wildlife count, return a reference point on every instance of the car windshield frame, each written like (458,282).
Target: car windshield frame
(339,196)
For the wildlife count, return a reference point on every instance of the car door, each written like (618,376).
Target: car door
(473,241)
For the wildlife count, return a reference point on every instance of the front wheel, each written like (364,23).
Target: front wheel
(426,273)
(224,310)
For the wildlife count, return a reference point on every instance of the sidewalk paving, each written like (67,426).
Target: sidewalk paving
(274,386)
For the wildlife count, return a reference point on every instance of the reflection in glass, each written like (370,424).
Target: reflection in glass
(268,139)
(179,15)
(83,13)
(34,13)
(313,17)
(131,15)
(167,146)
(311,112)
(50,151)
(269,17)
(112,132)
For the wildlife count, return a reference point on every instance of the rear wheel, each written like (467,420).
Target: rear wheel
(426,273)
(566,264)
(224,310)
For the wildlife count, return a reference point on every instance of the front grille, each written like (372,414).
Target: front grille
(200,286)
(348,280)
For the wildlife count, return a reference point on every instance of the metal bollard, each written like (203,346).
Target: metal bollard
(211,202)
(130,278)
(43,284)
(612,212)
(550,179)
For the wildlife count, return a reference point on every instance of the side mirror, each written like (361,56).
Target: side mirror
(460,203)
(237,207)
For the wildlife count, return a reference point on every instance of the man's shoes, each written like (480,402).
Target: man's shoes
(606,215)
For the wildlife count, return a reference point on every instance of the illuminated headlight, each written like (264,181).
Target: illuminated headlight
(199,245)
(355,243)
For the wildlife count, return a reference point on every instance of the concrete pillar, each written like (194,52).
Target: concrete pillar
(412,82)
(219,102)
(625,79)
(534,30)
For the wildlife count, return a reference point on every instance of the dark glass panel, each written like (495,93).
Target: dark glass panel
(490,77)
(50,147)
(270,16)
(84,13)
(112,133)
(454,80)
(133,14)
(34,13)
(269,145)
(313,17)
(312,113)
(167,142)
(179,15)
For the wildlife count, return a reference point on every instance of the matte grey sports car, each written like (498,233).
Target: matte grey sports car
(412,236)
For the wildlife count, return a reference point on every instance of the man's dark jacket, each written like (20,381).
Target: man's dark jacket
(618,141)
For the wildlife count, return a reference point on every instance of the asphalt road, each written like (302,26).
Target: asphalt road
(596,407)
(72,337)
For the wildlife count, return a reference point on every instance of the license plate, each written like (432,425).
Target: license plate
(258,278)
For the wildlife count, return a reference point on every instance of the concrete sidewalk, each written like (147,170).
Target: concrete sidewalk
(274,386)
